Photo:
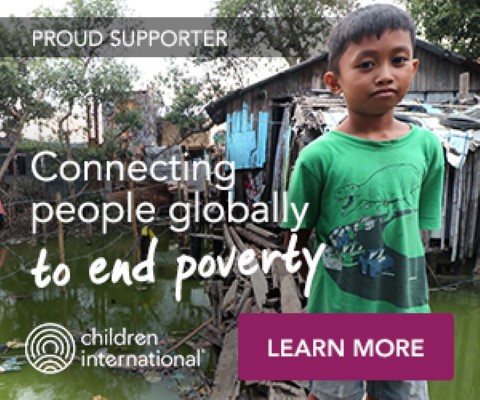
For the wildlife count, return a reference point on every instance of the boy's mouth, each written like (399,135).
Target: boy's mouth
(387,92)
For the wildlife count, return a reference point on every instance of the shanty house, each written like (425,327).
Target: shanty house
(259,128)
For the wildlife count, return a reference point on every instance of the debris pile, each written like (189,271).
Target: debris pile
(275,292)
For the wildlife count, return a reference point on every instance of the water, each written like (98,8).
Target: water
(465,306)
(154,310)
(139,308)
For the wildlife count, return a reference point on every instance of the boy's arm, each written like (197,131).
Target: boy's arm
(430,207)
(302,242)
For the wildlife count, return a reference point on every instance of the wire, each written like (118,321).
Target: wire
(75,196)
(12,273)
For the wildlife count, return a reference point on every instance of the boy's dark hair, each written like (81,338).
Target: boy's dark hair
(374,19)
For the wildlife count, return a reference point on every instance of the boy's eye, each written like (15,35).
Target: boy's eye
(399,60)
(365,65)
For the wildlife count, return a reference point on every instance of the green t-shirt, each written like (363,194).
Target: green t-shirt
(368,201)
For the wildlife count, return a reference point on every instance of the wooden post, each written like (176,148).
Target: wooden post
(181,241)
(207,178)
(463,85)
(474,196)
(184,184)
(131,187)
(206,188)
(89,231)
(42,237)
(185,179)
(444,207)
(61,243)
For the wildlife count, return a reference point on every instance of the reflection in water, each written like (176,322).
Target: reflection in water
(138,308)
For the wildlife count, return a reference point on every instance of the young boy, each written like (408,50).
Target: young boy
(371,185)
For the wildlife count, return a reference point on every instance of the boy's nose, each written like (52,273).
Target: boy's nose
(384,76)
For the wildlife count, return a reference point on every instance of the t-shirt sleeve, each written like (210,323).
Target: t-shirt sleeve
(303,191)
(430,211)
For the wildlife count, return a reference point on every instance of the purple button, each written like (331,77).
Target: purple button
(346,346)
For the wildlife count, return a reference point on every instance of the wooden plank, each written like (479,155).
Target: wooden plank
(245,295)
(228,237)
(247,307)
(275,277)
(463,84)
(456,205)
(258,252)
(258,280)
(230,295)
(259,284)
(279,390)
(289,297)
(261,231)
(257,239)
(444,207)
(226,384)
(236,240)
(279,268)
(464,213)
(475,194)
(206,236)
(290,302)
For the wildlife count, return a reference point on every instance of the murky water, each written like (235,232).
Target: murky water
(153,309)
(137,308)
(465,306)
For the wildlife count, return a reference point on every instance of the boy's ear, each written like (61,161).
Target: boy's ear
(415,63)
(332,82)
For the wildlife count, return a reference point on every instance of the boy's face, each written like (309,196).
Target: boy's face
(374,75)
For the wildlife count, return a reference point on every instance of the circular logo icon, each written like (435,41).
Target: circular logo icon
(50,348)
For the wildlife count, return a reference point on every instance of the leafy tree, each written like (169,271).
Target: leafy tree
(190,94)
(84,81)
(296,29)
(450,23)
(41,88)
(20,102)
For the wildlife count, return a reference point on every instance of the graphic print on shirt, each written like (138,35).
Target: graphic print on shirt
(370,193)
(360,254)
